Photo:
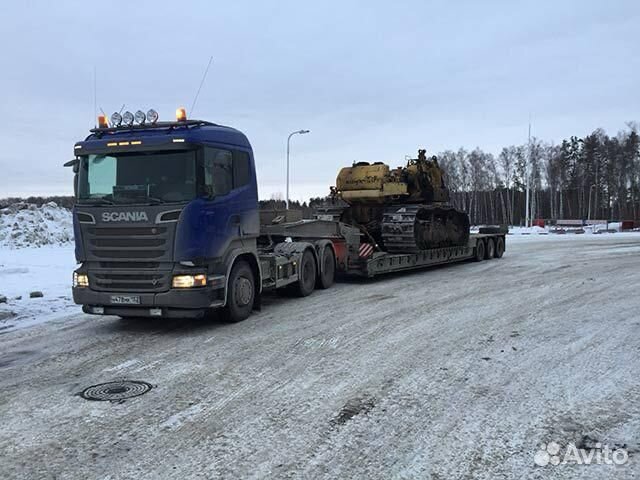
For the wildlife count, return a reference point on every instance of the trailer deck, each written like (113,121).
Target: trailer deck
(346,241)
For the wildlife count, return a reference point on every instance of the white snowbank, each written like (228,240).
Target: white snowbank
(27,225)
(49,270)
(586,229)
(528,231)
(603,227)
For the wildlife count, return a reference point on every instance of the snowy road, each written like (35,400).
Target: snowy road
(455,372)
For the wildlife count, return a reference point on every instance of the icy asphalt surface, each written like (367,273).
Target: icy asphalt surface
(455,372)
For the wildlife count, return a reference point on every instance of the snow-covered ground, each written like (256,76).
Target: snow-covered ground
(456,372)
(36,255)
(47,270)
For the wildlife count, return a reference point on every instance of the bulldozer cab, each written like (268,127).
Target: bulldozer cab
(425,179)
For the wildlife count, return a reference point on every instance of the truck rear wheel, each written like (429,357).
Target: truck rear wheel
(306,275)
(241,293)
(327,275)
(491,249)
(480,250)
(499,248)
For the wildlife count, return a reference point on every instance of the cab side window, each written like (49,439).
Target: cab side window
(241,173)
(218,171)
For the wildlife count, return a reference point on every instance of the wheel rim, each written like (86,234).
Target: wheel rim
(243,289)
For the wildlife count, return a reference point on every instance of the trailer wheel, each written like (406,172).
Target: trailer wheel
(306,275)
(241,293)
(327,275)
(499,248)
(480,250)
(491,249)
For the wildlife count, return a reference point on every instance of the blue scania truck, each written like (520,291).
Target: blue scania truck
(167,224)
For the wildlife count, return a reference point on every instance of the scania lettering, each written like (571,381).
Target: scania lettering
(167,224)
(124,217)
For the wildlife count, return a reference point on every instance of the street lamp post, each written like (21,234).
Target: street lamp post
(300,132)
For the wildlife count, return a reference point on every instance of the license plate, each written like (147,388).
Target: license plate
(125,299)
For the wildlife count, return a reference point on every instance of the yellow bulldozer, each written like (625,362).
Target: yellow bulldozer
(405,209)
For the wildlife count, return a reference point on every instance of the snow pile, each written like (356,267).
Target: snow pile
(27,225)
(47,270)
(604,227)
(535,230)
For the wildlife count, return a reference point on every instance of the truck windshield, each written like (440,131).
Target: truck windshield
(138,177)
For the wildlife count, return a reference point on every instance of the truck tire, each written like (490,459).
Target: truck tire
(480,250)
(241,293)
(491,249)
(306,275)
(328,273)
(499,248)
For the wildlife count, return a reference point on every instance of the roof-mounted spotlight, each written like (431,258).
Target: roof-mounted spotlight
(140,117)
(127,118)
(152,115)
(116,119)
(181,114)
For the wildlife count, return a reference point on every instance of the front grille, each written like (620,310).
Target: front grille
(136,265)
(121,231)
(127,258)
(128,242)
(135,243)
(128,253)
(130,281)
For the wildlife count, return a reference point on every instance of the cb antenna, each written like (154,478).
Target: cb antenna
(95,97)
(195,99)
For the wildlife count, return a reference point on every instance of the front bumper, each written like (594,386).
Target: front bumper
(175,303)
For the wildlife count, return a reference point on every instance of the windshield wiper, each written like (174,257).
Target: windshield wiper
(137,201)
(154,200)
(95,201)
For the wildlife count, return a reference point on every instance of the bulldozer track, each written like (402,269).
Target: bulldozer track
(411,228)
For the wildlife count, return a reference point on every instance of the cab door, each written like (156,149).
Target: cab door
(231,213)
(220,209)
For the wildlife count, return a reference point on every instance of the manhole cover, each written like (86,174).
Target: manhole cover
(114,391)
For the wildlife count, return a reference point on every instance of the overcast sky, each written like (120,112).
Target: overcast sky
(372,80)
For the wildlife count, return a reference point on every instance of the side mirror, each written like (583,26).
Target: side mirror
(75,163)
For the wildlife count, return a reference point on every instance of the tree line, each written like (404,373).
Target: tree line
(66,201)
(596,176)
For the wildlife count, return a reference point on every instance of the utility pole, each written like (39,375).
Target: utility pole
(527,212)
(590,192)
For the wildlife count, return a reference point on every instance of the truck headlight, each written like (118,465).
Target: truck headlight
(189,281)
(80,280)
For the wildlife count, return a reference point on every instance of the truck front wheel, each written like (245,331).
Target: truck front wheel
(241,293)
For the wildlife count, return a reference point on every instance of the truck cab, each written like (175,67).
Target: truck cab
(163,212)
